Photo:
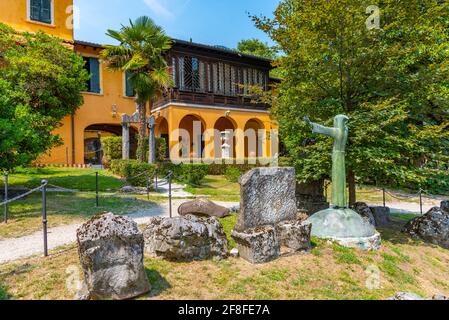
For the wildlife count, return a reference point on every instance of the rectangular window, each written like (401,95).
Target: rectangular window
(41,10)
(129,90)
(92,65)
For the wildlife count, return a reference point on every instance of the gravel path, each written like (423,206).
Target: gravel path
(16,248)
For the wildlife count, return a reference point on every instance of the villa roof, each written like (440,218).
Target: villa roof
(214,50)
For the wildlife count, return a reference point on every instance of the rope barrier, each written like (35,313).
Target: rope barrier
(23,195)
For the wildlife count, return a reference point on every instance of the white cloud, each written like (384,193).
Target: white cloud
(158,8)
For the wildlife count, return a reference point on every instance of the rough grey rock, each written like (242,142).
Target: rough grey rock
(406,296)
(294,235)
(363,209)
(310,197)
(381,216)
(186,238)
(432,227)
(267,197)
(414,296)
(203,208)
(445,206)
(111,255)
(257,245)
(133,190)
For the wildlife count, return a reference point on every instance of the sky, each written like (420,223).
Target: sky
(212,22)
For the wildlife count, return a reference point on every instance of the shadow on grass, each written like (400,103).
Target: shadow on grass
(158,283)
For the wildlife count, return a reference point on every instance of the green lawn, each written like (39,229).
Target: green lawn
(71,178)
(217,188)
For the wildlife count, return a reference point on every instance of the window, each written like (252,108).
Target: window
(41,11)
(92,65)
(129,90)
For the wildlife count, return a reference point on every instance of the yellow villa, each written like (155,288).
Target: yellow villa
(208,95)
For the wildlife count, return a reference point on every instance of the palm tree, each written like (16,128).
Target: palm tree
(140,54)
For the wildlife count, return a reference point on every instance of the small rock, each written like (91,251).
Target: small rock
(406,296)
(381,216)
(432,227)
(295,235)
(257,245)
(445,206)
(440,297)
(111,254)
(235,208)
(234,253)
(186,238)
(363,209)
(133,190)
(203,208)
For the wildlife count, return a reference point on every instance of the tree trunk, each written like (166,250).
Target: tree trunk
(352,188)
(141,145)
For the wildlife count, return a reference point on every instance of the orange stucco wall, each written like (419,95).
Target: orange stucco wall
(16,14)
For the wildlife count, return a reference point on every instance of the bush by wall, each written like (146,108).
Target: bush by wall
(112,149)
(132,171)
(188,173)
(232,174)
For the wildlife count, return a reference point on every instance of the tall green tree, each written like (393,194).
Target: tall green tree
(386,67)
(257,48)
(40,83)
(141,54)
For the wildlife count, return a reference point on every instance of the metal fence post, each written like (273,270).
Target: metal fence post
(383,194)
(420,201)
(96,189)
(148,188)
(169,193)
(44,215)
(6,199)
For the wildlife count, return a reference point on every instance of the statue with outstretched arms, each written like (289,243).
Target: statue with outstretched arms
(340,135)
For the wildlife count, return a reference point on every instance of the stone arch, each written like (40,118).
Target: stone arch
(224,124)
(93,150)
(253,138)
(187,123)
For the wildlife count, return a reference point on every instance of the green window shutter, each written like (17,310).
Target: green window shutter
(128,86)
(46,11)
(94,65)
(35,10)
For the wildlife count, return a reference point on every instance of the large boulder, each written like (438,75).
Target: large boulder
(381,216)
(363,209)
(294,235)
(186,238)
(267,197)
(111,255)
(257,245)
(203,208)
(432,227)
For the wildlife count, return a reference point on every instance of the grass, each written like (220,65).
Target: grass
(328,272)
(71,178)
(25,216)
(217,188)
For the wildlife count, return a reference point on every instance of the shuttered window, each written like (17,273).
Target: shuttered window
(92,65)
(40,10)
(129,90)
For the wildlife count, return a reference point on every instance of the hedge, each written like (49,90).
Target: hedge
(132,171)
(112,149)
(188,173)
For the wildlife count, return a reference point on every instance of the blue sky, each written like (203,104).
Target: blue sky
(214,22)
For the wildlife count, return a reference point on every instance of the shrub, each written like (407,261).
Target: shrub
(191,173)
(132,171)
(112,149)
(160,149)
(219,168)
(233,174)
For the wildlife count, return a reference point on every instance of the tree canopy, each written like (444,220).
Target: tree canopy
(256,48)
(391,79)
(41,80)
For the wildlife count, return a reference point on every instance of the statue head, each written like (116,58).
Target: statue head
(340,121)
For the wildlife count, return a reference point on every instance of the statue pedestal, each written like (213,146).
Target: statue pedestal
(345,227)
